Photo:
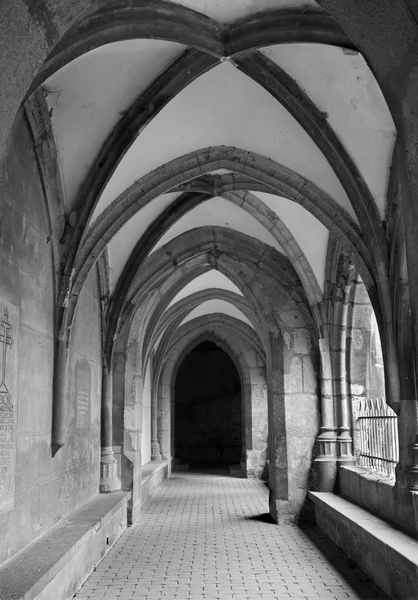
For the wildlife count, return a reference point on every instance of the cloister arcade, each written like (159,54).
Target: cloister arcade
(177,174)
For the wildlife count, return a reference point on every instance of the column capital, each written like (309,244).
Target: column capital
(109,480)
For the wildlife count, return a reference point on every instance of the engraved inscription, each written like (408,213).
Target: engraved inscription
(7,341)
(82,384)
(7,407)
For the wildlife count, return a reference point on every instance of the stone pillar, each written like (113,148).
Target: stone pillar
(127,420)
(325,464)
(294,420)
(155,445)
(9,368)
(256,420)
(164,429)
(59,396)
(132,432)
(277,446)
(109,481)
(344,440)
(413,472)
(165,413)
(246,420)
(407,126)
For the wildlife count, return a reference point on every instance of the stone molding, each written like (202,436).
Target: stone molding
(109,480)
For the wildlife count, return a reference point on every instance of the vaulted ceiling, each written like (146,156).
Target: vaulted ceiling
(286,139)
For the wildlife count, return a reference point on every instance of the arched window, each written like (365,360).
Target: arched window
(375,424)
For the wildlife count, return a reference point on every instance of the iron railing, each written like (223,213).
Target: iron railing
(378,435)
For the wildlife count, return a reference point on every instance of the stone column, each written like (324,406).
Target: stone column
(109,481)
(344,440)
(277,443)
(155,445)
(132,432)
(325,464)
(257,422)
(407,126)
(59,396)
(413,471)
(165,417)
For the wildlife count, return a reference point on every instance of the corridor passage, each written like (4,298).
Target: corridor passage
(204,537)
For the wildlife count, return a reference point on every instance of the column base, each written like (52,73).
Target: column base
(325,473)
(345,443)
(155,451)
(345,449)
(109,480)
(413,471)
(347,460)
(290,512)
(255,464)
(413,479)
(325,465)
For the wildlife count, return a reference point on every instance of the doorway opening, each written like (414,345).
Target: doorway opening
(208,412)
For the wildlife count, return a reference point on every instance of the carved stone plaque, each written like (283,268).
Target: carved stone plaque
(82,387)
(9,328)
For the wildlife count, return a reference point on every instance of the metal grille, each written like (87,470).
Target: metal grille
(378,428)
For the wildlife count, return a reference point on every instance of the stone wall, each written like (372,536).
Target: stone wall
(302,411)
(256,452)
(293,424)
(379,495)
(43,489)
(146,419)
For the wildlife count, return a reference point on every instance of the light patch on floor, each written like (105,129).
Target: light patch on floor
(208,538)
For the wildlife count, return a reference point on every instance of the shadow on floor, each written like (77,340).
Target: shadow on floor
(263,518)
(212,468)
(357,579)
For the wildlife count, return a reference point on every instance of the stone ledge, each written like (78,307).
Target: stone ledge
(378,494)
(388,556)
(370,474)
(152,474)
(55,565)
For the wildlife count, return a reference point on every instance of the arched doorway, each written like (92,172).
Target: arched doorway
(208,410)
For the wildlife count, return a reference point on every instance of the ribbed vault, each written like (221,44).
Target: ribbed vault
(219,165)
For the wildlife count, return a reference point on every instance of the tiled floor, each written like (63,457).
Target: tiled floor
(204,537)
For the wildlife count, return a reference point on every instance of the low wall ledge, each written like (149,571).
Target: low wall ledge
(57,563)
(370,475)
(149,469)
(387,555)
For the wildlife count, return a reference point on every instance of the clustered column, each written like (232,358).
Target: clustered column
(109,481)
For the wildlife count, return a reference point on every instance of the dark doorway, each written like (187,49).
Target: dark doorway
(208,410)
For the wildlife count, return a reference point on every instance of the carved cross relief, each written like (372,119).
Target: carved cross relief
(9,316)
(7,341)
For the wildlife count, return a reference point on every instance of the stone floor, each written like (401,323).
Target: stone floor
(208,537)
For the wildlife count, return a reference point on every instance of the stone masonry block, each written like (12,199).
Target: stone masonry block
(301,341)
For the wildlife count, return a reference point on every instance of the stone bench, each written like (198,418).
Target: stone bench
(55,565)
(387,555)
(152,474)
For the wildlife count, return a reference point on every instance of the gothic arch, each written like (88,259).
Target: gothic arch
(251,367)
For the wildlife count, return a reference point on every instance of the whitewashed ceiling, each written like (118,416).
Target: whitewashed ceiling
(231,10)
(209,280)
(223,107)
(216,306)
